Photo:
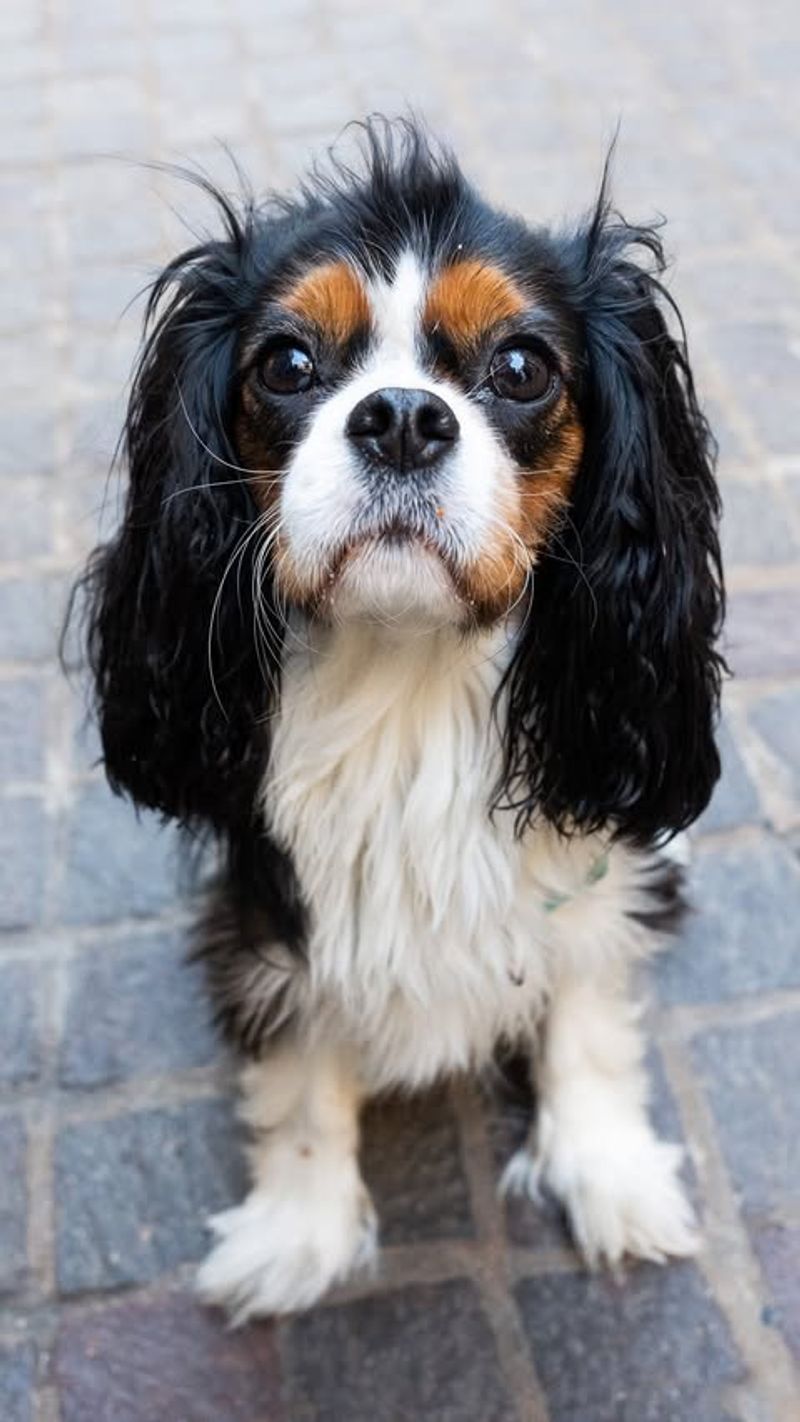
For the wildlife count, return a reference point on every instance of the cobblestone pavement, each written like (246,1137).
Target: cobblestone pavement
(116,1132)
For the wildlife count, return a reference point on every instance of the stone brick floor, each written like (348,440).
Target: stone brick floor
(116,1134)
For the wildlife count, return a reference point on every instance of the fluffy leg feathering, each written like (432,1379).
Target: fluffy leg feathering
(593,1146)
(308,1221)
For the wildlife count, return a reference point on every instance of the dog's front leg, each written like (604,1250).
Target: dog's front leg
(593,1146)
(308,1221)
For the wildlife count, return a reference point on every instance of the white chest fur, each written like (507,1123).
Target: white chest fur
(429,935)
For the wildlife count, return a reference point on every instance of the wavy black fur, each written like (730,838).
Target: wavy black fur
(614,688)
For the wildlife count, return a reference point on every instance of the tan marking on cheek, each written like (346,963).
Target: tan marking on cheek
(332,298)
(266,474)
(468,299)
(525,519)
(544,492)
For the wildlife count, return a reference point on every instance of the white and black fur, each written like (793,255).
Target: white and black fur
(439,688)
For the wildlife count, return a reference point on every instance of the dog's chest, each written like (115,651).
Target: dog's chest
(383,764)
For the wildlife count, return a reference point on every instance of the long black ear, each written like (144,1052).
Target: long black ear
(182,687)
(613,691)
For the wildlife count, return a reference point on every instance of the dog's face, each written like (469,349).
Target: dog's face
(386,399)
(419,423)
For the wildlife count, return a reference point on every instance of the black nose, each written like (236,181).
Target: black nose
(407,429)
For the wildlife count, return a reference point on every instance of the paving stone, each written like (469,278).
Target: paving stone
(541,1225)
(23,846)
(411,1157)
(777,720)
(762,364)
(778,1250)
(30,618)
(148,1013)
(28,443)
(100,294)
(734,801)
(13,1205)
(653,1348)
(755,529)
(20,1053)
(420,1352)
(133,1193)
(761,635)
(165,1359)
(742,935)
(21,729)
(750,1073)
(118,863)
(17,1382)
(30,532)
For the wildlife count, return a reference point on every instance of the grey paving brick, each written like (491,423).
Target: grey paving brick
(118,864)
(148,1013)
(30,531)
(755,529)
(778,1250)
(21,729)
(30,618)
(13,1205)
(28,443)
(100,294)
(742,936)
(20,1046)
(760,361)
(17,1381)
(653,1348)
(133,1193)
(23,847)
(761,634)
(541,1225)
(412,1162)
(777,720)
(753,290)
(354,1361)
(165,1358)
(97,116)
(734,801)
(750,1074)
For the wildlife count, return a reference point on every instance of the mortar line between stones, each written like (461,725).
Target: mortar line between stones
(727,1260)
(492,1275)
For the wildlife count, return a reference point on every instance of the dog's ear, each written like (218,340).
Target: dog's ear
(181,686)
(612,693)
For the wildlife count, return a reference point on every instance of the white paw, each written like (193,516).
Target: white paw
(621,1192)
(280,1251)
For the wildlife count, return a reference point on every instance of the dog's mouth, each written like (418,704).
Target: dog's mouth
(401,563)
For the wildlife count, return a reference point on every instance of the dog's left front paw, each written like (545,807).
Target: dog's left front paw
(621,1196)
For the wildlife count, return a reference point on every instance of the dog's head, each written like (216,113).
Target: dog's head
(384,399)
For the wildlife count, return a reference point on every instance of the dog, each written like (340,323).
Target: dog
(414,606)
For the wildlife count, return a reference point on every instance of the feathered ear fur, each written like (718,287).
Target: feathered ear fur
(613,691)
(181,683)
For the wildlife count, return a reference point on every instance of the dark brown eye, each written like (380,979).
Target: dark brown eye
(288,370)
(517,373)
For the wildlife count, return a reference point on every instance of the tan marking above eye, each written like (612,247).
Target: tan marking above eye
(332,298)
(467,299)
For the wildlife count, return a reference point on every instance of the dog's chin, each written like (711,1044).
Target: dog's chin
(396,582)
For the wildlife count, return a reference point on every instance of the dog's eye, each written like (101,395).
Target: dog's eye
(288,370)
(517,373)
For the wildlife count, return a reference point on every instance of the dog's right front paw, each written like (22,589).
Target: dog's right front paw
(278,1253)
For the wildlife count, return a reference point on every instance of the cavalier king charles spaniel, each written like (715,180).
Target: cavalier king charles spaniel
(414,607)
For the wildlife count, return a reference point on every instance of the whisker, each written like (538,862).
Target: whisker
(239,468)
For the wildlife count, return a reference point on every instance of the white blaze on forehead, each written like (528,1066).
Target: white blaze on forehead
(396,307)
